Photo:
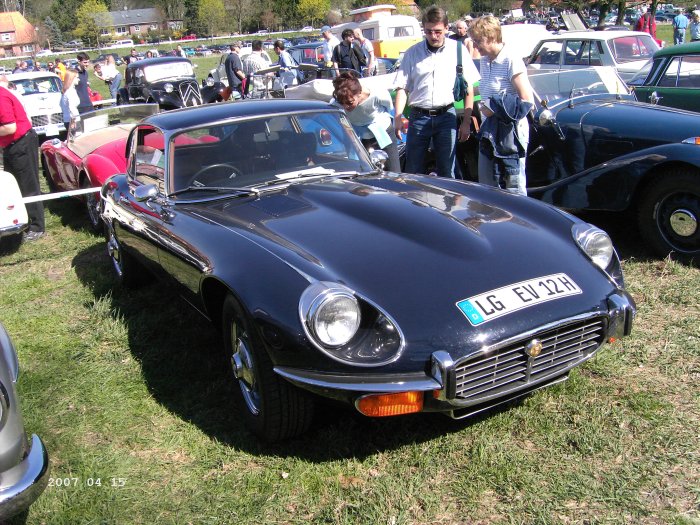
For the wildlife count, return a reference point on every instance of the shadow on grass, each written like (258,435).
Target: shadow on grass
(185,370)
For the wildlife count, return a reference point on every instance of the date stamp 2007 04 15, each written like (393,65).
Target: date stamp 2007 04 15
(71,481)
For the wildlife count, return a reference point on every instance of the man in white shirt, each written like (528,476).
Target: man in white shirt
(425,79)
(328,46)
(368,49)
(252,63)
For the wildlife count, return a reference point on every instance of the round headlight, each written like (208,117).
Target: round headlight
(210,81)
(331,314)
(335,319)
(595,243)
(168,87)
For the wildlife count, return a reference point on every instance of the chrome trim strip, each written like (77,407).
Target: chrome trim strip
(360,383)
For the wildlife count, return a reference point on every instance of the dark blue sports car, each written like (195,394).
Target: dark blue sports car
(328,276)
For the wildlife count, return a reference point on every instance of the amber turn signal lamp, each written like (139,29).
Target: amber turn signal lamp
(383,405)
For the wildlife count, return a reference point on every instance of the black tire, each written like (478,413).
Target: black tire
(93,207)
(129,273)
(45,170)
(273,408)
(668,215)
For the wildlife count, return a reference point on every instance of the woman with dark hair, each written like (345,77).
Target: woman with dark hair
(370,113)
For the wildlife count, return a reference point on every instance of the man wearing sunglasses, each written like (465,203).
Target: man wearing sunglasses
(425,80)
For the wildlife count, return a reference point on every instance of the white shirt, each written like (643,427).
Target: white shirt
(254,62)
(429,77)
(497,74)
(109,71)
(69,104)
(328,47)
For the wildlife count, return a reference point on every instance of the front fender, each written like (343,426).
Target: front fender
(214,93)
(611,186)
(100,168)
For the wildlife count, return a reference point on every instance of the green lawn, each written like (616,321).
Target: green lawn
(136,407)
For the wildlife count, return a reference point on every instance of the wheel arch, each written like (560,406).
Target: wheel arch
(657,172)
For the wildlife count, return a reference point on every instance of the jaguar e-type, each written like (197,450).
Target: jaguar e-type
(328,276)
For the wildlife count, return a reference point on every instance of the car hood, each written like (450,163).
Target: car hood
(175,81)
(417,245)
(619,119)
(42,102)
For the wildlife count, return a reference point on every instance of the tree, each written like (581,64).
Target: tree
(240,11)
(92,16)
(52,33)
(63,12)
(314,10)
(211,15)
(173,9)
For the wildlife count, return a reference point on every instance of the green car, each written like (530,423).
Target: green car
(671,78)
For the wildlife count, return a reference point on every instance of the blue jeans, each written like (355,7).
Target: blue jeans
(678,36)
(114,85)
(442,130)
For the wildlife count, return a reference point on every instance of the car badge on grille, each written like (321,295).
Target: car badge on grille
(533,348)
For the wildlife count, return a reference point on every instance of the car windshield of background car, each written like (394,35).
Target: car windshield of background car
(641,76)
(630,48)
(560,85)
(265,150)
(32,86)
(158,72)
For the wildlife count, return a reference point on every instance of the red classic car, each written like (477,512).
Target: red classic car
(93,151)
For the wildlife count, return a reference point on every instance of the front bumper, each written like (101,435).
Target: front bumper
(13,229)
(492,375)
(21,485)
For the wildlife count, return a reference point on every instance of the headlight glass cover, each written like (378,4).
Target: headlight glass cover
(595,243)
(347,328)
(168,87)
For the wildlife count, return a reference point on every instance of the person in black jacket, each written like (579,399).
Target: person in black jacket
(82,87)
(234,69)
(348,55)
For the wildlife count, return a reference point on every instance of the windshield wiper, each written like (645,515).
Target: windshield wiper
(304,175)
(217,189)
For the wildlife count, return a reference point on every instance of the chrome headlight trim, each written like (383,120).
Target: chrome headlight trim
(168,87)
(595,243)
(377,340)
(316,310)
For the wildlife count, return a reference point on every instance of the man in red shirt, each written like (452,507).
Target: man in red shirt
(646,23)
(20,147)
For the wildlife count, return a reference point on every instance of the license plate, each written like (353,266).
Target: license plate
(52,130)
(508,299)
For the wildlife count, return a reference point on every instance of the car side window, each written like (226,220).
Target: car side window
(149,157)
(548,53)
(689,72)
(670,76)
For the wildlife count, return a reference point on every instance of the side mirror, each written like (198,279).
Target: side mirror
(379,158)
(146,192)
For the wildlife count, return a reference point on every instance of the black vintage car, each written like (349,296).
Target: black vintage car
(169,82)
(593,146)
(391,292)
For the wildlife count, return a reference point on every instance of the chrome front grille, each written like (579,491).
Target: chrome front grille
(189,91)
(43,120)
(510,368)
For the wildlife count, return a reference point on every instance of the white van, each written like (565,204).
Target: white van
(123,43)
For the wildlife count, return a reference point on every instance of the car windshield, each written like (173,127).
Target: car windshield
(33,86)
(641,75)
(113,118)
(264,152)
(156,72)
(556,86)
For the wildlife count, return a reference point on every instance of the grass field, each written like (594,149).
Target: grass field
(137,411)
(136,408)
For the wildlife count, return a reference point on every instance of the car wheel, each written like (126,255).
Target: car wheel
(47,175)
(92,203)
(669,211)
(127,269)
(274,409)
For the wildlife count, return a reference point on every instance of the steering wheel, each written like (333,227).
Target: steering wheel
(231,173)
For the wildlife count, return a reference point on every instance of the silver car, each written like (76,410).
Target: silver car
(24,464)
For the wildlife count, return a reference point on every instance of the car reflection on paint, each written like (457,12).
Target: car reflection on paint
(327,276)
